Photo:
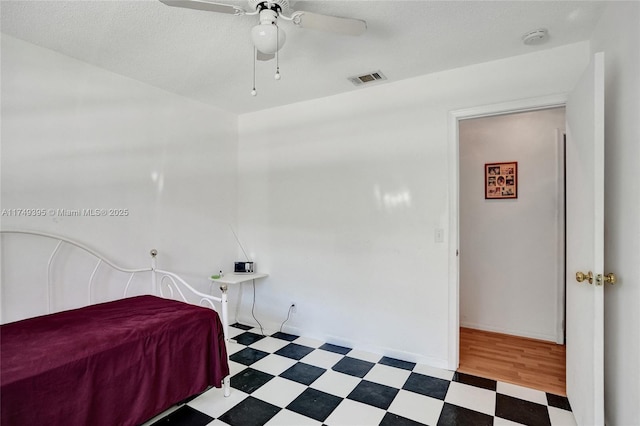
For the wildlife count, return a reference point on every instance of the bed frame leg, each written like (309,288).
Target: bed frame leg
(226,385)
(226,382)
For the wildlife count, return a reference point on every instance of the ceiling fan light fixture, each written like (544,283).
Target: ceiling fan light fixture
(268,38)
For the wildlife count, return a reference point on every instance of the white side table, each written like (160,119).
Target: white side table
(235,279)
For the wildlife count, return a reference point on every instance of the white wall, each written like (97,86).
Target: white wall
(78,137)
(339,199)
(617,35)
(511,261)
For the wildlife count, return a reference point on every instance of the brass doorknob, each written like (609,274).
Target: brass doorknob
(581,276)
(610,278)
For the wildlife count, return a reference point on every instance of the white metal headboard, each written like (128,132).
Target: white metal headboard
(170,284)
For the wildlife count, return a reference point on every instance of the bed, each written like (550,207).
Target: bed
(117,362)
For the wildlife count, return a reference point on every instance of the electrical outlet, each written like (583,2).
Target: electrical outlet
(294,308)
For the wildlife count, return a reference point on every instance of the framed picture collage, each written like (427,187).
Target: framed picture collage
(501,180)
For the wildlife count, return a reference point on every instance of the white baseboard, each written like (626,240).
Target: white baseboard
(510,331)
(270,328)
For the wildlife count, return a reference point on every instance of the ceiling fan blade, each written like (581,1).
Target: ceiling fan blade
(205,5)
(264,56)
(335,24)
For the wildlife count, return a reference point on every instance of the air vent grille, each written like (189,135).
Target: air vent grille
(367,78)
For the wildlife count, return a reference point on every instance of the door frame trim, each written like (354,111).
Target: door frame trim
(561,230)
(454,116)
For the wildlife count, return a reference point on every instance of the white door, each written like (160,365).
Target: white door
(585,245)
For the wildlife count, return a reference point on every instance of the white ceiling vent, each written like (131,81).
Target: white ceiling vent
(367,78)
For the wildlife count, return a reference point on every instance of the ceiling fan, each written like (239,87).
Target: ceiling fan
(267,37)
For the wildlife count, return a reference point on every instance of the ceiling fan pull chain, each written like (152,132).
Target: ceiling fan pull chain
(255,53)
(277,76)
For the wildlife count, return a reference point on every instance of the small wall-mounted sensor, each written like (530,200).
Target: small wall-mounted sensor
(538,36)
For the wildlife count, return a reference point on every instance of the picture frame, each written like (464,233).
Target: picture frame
(501,180)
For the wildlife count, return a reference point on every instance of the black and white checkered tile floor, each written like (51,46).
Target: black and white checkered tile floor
(289,380)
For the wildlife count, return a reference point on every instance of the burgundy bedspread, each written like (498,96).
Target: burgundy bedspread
(115,363)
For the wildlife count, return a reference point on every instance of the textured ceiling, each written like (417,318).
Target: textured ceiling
(208,56)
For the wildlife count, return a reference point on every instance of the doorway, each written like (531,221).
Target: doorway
(511,263)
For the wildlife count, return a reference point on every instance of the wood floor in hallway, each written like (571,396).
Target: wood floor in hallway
(527,362)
